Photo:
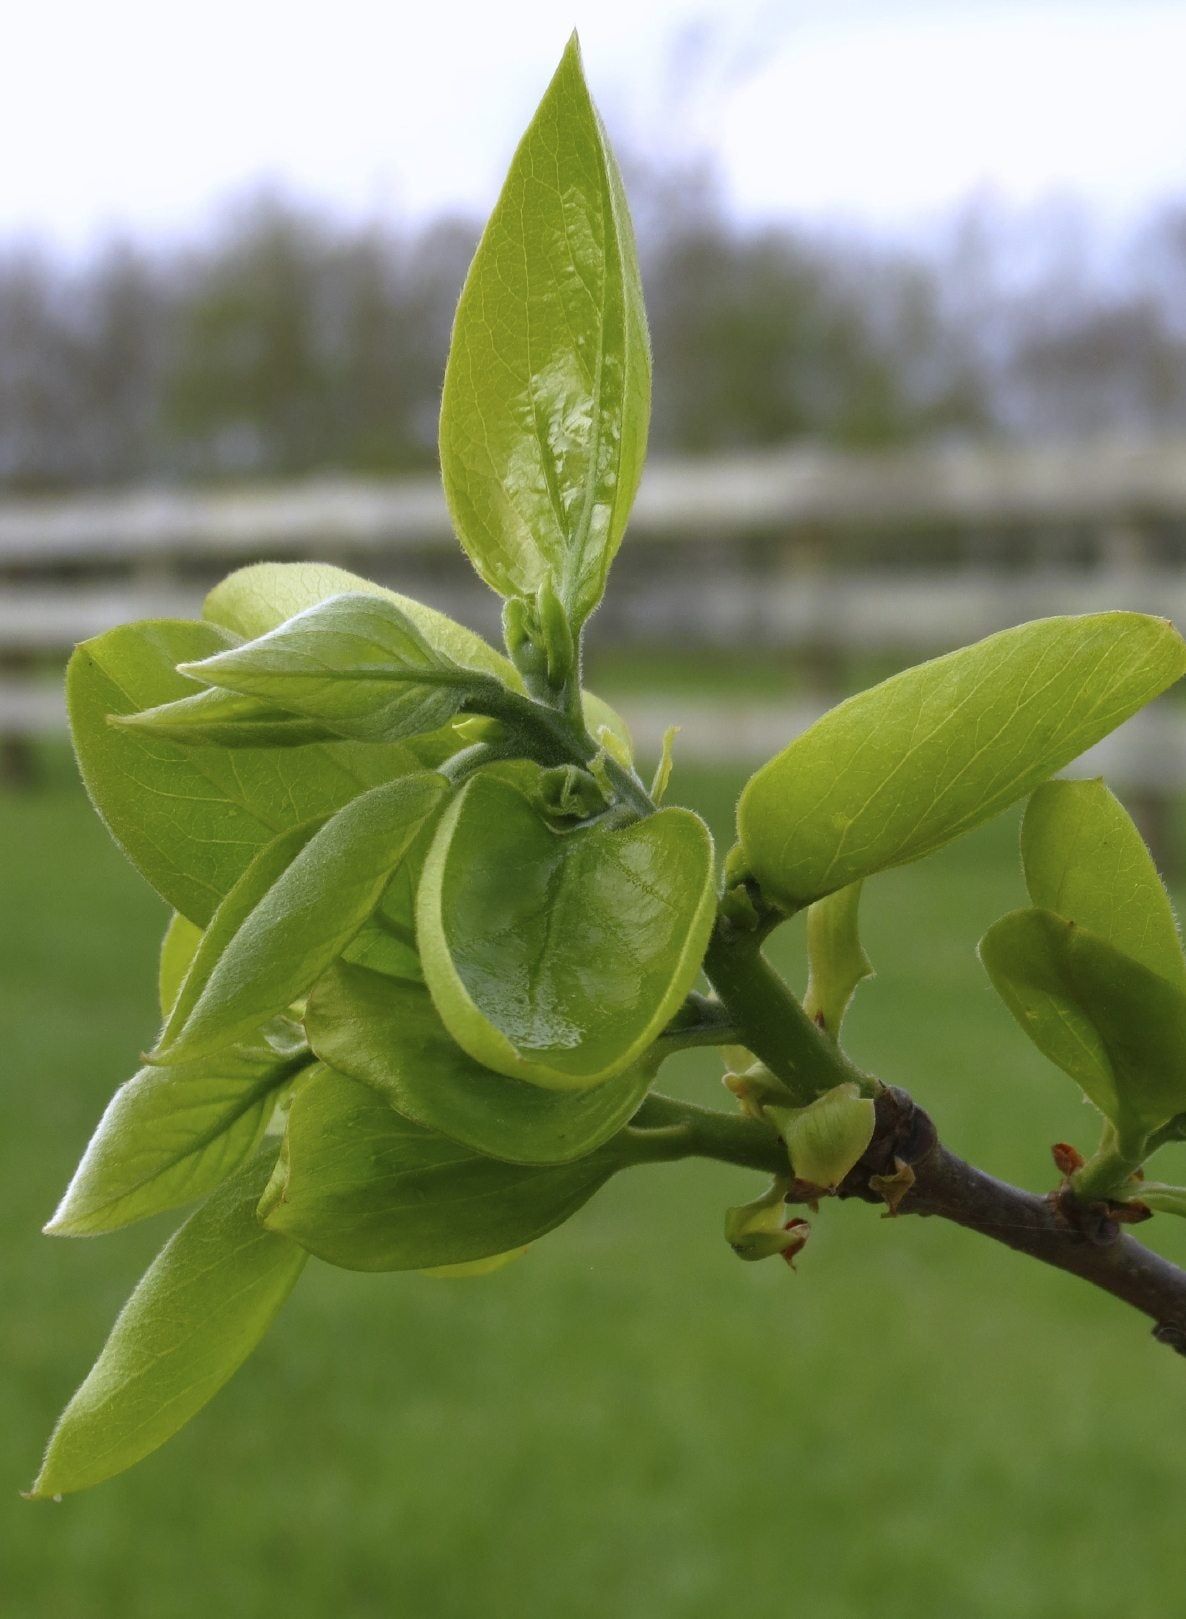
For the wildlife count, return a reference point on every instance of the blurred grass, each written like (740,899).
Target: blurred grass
(629,1422)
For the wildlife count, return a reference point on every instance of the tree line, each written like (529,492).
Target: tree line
(286,343)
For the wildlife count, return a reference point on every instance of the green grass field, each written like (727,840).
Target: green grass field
(629,1424)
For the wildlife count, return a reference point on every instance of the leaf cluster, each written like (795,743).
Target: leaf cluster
(432,936)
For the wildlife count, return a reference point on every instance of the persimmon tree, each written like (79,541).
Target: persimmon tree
(434,937)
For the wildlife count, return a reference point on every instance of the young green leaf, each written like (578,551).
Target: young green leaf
(826,1138)
(388,1035)
(355,663)
(177,951)
(190,819)
(293,912)
(905,767)
(234,910)
(1085,860)
(258,598)
(547,388)
(169,1136)
(362,1187)
(1118,1029)
(198,1312)
(224,719)
(559,956)
(836,961)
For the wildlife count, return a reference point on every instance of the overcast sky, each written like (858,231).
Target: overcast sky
(142,115)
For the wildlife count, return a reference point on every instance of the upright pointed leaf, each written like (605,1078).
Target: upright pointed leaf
(271,951)
(199,1311)
(1085,860)
(362,1187)
(910,764)
(559,956)
(547,389)
(191,819)
(388,1034)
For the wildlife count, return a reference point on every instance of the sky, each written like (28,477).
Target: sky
(138,116)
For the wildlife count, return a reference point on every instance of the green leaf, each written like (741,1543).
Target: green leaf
(836,960)
(293,913)
(224,719)
(826,1138)
(1085,860)
(388,1035)
(190,819)
(199,1311)
(559,956)
(547,388)
(363,1187)
(905,767)
(258,598)
(355,663)
(177,951)
(1118,1029)
(169,1136)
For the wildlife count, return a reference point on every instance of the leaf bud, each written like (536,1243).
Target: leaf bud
(828,1137)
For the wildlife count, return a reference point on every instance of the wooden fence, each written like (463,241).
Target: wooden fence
(818,556)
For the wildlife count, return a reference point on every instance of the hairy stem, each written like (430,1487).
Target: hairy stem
(770,1021)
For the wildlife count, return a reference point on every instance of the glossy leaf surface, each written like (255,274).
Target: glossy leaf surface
(903,768)
(1085,860)
(191,819)
(1116,1028)
(558,957)
(294,914)
(547,389)
(198,1312)
(363,1187)
(388,1035)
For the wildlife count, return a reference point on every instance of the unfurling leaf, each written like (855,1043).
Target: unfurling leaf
(170,1136)
(295,910)
(1117,1028)
(259,598)
(191,819)
(364,1188)
(389,1035)
(225,719)
(355,664)
(559,956)
(835,958)
(828,1137)
(1085,860)
(198,1312)
(905,767)
(178,948)
(547,389)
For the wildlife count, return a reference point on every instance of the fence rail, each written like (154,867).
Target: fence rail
(821,555)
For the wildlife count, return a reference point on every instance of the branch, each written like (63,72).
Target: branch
(906,1165)
(1057,1229)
